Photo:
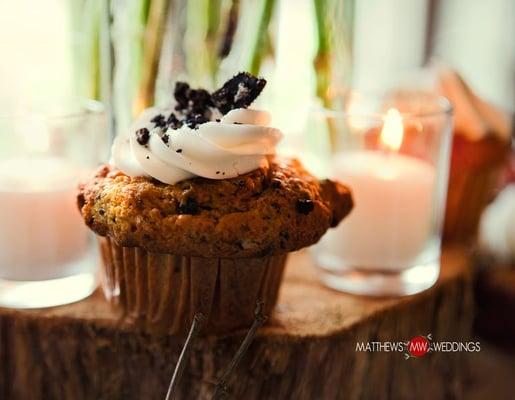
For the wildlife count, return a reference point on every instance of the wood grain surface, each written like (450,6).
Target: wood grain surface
(307,351)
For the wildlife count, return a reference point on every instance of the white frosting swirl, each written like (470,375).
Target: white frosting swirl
(238,144)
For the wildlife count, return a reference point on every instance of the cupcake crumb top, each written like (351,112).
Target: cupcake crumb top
(272,210)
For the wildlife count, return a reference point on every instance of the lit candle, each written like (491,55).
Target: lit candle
(391,221)
(41,232)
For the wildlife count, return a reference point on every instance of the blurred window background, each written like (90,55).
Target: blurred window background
(53,50)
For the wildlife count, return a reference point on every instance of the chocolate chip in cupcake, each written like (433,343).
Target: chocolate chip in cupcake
(304,206)
(189,207)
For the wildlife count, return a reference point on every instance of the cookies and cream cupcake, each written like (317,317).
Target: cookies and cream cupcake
(195,213)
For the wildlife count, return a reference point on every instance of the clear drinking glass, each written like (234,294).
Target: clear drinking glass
(46,254)
(393,152)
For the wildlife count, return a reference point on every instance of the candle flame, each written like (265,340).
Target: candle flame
(393,130)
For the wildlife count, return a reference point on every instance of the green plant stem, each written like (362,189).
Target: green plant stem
(144,11)
(259,46)
(88,15)
(154,32)
(322,61)
(213,24)
(95,60)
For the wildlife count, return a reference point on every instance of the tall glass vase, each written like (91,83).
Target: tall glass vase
(157,42)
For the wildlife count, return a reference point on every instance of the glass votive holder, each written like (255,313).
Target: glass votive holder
(393,152)
(46,254)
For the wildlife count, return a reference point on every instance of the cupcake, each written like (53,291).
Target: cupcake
(481,145)
(195,213)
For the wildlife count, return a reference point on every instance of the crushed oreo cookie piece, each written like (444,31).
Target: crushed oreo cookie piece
(142,136)
(238,92)
(165,138)
(191,99)
(178,151)
(189,207)
(304,206)
(181,95)
(194,120)
(159,121)
(173,122)
(200,101)
(195,106)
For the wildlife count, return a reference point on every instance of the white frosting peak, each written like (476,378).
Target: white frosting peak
(238,144)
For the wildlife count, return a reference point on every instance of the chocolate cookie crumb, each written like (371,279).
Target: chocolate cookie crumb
(178,151)
(180,94)
(142,136)
(165,138)
(159,121)
(173,122)
(238,92)
(304,206)
(194,120)
(199,100)
(194,104)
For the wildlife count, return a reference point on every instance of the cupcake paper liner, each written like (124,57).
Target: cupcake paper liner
(162,292)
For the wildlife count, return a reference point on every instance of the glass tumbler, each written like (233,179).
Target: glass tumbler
(392,150)
(46,253)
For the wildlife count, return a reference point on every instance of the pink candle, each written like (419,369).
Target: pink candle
(41,232)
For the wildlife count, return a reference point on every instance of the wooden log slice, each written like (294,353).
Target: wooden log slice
(308,350)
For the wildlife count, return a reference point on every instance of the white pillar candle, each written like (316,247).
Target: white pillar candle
(390,223)
(41,231)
